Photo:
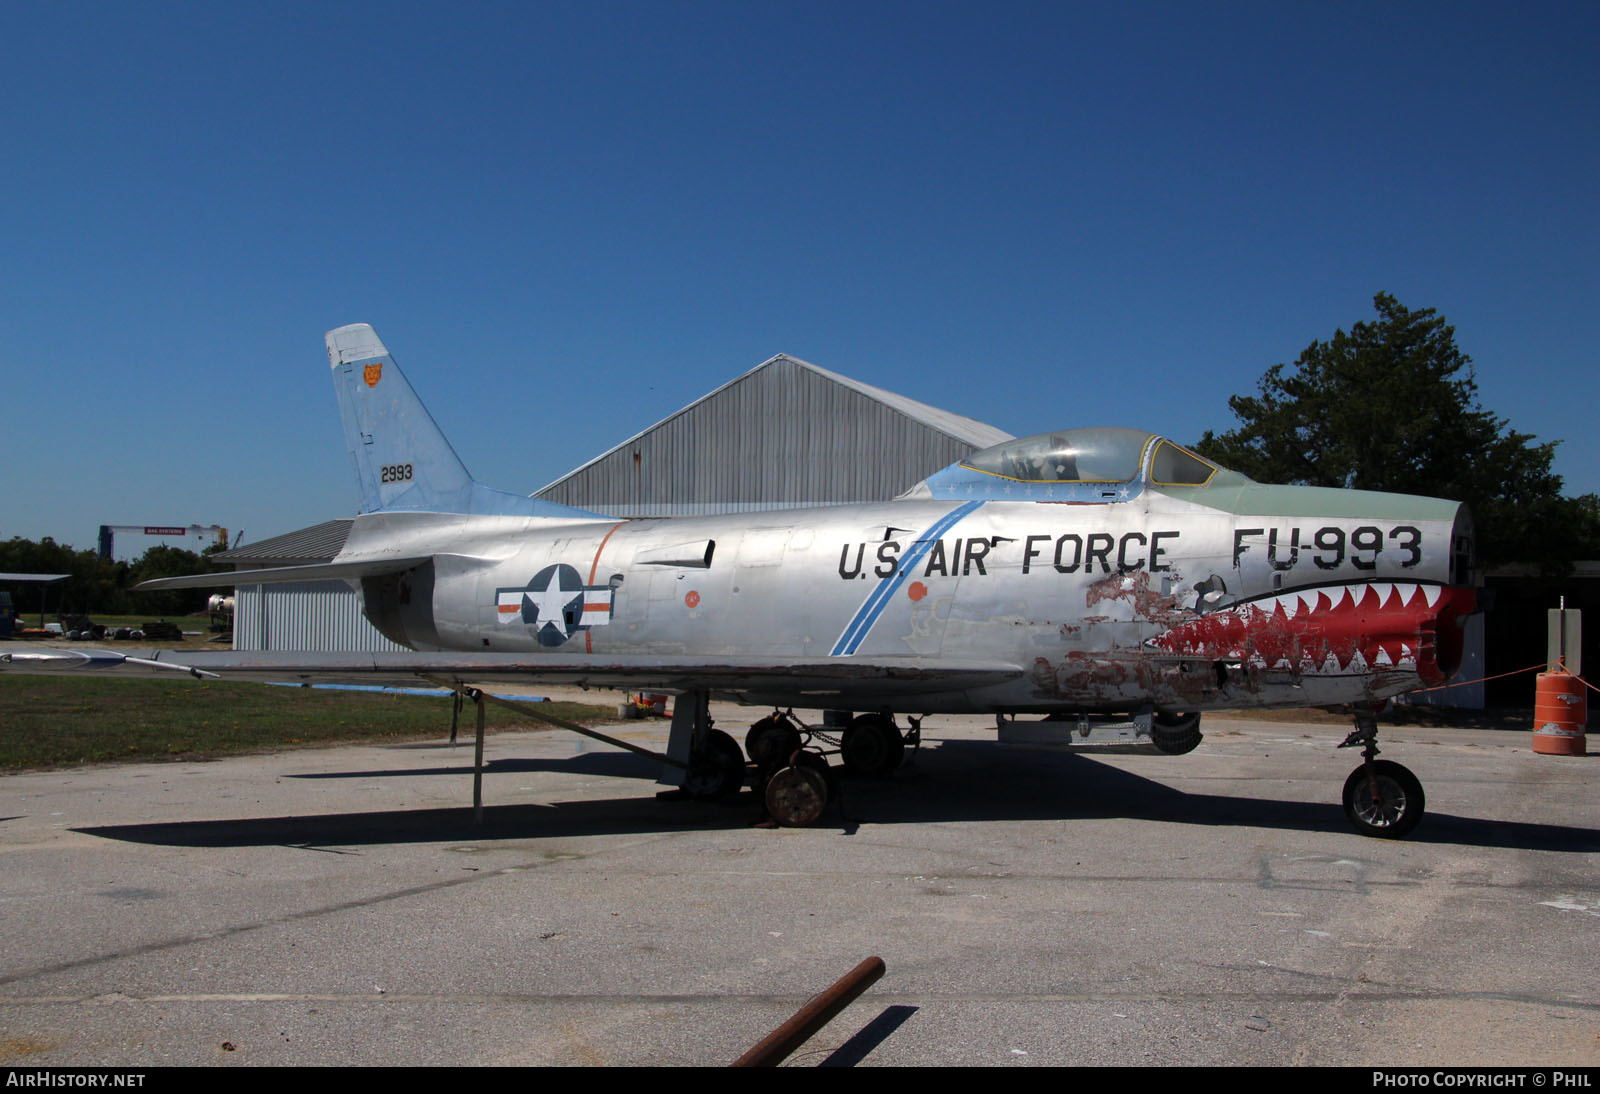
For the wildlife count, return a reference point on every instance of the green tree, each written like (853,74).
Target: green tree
(93,585)
(1393,405)
(164,561)
(96,586)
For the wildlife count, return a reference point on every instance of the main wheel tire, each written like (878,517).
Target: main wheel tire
(1391,809)
(771,742)
(1175,734)
(716,768)
(871,746)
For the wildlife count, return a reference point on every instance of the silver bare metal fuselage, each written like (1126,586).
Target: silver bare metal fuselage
(1102,606)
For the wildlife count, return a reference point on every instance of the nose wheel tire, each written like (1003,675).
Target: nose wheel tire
(1386,802)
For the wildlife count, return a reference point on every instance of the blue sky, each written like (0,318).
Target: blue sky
(569,220)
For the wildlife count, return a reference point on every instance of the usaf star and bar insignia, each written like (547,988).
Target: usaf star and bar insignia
(556,603)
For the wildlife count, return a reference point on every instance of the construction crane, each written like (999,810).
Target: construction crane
(108,531)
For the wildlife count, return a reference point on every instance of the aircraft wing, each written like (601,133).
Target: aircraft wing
(859,680)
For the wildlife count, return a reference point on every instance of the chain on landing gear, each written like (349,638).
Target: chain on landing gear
(1381,798)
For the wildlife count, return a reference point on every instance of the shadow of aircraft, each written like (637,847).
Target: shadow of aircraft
(608,764)
(955,781)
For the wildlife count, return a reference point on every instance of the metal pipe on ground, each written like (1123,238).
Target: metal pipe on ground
(777,1045)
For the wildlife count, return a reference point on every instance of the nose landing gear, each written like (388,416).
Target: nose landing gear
(1382,798)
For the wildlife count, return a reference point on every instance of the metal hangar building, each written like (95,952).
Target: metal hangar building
(785,434)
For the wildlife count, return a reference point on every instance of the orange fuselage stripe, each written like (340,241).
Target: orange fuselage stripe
(594,568)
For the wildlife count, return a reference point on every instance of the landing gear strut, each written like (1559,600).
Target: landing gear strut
(1381,798)
(708,761)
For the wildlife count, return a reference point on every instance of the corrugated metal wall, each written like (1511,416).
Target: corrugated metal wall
(782,435)
(320,616)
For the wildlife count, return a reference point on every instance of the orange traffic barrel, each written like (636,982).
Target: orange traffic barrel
(1560,713)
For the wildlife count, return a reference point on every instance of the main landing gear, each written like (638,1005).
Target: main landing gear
(709,765)
(795,784)
(788,759)
(792,768)
(716,768)
(1381,798)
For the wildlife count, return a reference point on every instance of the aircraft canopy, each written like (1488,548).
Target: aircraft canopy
(1103,454)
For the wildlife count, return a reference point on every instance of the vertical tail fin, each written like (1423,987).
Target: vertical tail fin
(402,459)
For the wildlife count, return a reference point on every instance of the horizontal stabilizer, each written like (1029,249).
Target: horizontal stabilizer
(278,575)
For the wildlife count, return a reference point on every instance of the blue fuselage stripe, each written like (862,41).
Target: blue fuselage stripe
(866,615)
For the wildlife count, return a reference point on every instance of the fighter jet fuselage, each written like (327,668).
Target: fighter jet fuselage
(1109,595)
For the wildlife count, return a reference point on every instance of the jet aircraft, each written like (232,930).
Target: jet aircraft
(1077,576)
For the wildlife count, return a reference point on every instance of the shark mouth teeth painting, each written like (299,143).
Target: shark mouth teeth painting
(1331,630)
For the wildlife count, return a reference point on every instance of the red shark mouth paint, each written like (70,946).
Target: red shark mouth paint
(1336,629)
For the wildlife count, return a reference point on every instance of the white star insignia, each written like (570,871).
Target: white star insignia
(548,603)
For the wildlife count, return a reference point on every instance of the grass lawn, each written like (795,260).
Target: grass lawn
(54,721)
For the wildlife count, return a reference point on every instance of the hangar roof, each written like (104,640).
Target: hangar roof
(786,433)
(319,543)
